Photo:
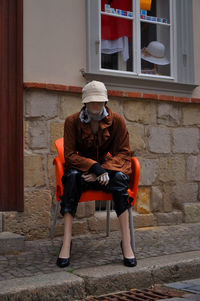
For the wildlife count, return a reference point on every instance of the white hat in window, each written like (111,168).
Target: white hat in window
(155,53)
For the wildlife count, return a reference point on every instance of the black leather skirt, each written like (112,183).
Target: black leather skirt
(74,185)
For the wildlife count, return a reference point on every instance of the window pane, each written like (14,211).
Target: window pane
(155,39)
(116,35)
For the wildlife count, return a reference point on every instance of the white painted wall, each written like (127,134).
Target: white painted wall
(54,41)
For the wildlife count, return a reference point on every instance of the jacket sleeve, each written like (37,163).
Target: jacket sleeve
(120,159)
(72,158)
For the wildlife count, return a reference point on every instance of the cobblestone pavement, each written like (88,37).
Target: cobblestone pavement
(39,256)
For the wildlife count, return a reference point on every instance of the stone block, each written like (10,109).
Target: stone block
(41,104)
(51,171)
(97,223)
(142,203)
(26,136)
(33,171)
(141,112)
(1,222)
(69,104)
(191,115)
(34,222)
(149,171)
(156,199)
(170,218)
(143,220)
(85,209)
(136,137)
(172,169)
(159,140)
(193,168)
(79,227)
(115,105)
(39,134)
(11,243)
(191,212)
(57,131)
(186,140)
(167,198)
(169,114)
(185,193)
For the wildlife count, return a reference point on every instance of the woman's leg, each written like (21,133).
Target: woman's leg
(125,232)
(65,250)
(118,185)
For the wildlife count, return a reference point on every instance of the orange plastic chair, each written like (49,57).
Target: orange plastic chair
(92,195)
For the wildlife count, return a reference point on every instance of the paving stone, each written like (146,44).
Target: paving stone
(97,250)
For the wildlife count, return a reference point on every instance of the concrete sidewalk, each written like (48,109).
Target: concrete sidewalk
(165,254)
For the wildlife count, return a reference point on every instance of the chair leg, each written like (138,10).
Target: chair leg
(108,218)
(53,227)
(131,225)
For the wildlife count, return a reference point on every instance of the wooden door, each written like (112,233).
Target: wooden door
(11,105)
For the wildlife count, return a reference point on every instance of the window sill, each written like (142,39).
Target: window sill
(142,85)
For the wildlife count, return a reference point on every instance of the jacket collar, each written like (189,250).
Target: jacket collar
(103,127)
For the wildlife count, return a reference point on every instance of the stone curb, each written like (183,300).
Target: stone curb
(103,279)
(54,286)
(149,271)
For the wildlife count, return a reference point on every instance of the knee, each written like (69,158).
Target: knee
(120,178)
(72,173)
(70,176)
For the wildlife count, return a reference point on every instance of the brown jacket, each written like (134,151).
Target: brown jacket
(82,148)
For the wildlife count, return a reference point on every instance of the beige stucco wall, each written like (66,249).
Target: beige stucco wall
(54,34)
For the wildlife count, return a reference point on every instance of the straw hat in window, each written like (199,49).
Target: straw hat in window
(155,53)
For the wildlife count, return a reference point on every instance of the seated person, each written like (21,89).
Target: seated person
(88,137)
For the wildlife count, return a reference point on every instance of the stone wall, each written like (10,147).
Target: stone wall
(165,137)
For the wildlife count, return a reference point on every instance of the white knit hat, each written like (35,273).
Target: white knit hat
(155,53)
(94,91)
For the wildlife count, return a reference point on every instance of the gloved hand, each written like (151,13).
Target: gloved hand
(89,177)
(103,179)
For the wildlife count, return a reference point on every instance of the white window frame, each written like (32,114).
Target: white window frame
(137,41)
(180,73)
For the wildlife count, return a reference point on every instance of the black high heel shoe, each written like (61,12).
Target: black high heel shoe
(64,262)
(129,262)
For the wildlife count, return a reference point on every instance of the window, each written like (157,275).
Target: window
(142,39)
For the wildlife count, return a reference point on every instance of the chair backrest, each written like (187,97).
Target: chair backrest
(59,143)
